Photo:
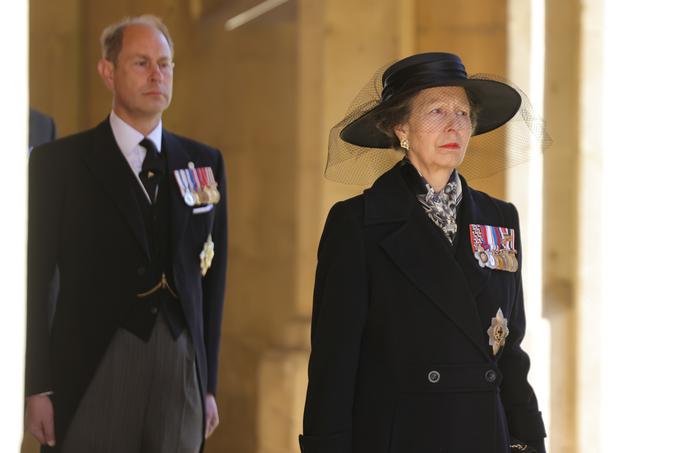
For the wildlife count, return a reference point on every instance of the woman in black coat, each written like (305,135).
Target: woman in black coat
(418,308)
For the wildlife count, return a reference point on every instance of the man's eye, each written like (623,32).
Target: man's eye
(462,113)
(141,63)
(436,110)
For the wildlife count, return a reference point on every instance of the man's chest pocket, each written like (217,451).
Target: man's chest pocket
(201,222)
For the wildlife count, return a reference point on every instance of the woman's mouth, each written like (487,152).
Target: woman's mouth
(451,146)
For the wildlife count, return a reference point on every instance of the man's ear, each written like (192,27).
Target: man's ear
(105,70)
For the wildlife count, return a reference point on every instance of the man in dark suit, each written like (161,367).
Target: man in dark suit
(135,218)
(41,129)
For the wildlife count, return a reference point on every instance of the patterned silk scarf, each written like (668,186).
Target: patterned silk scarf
(441,206)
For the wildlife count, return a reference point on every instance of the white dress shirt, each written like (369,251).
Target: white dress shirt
(128,138)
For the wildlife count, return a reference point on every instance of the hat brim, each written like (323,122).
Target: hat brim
(496,104)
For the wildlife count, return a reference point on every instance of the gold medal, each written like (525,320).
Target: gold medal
(203,196)
(502,263)
(514,262)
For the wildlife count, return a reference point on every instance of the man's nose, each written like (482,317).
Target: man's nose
(156,72)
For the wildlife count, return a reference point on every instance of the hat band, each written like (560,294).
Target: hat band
(424,75)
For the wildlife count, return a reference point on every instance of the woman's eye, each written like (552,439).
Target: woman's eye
(462,113)
(436,110)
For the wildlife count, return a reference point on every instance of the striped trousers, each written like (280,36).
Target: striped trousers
(144,398)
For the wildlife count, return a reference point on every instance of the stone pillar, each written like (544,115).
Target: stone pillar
(478,34)
(588,292)
(338,51)
(561,214)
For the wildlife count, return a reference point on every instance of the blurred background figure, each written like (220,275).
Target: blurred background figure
(41,129)
(129,361)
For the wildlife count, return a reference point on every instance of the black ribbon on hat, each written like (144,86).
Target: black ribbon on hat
(421,75)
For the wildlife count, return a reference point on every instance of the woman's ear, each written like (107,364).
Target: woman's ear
(401,131)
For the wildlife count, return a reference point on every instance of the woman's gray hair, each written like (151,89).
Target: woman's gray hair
(112,36)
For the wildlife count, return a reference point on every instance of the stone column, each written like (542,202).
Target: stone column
(561,215)
(338,50)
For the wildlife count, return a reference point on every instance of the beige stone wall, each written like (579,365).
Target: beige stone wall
(561,195)
(478,34)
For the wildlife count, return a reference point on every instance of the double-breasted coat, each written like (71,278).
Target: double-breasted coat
(84,218)
(400,359)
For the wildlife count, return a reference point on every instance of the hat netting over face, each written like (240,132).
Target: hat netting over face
(490,153)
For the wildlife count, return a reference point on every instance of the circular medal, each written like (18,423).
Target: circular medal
(188,198)
(515,262)
(482,257)
(215,195)
(493,262)
(500,259)
(203,197)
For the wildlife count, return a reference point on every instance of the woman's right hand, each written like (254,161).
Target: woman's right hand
(40,418)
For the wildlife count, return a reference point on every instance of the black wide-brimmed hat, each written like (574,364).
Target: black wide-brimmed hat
(359,152)
(495,102)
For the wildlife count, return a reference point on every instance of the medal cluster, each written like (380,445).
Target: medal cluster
(198,185)
(494,247)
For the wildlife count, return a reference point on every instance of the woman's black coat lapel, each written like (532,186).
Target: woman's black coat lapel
(418,251)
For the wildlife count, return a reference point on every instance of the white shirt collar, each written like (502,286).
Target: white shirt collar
(128,138)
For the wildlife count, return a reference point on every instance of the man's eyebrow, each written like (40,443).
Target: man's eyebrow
(147,57)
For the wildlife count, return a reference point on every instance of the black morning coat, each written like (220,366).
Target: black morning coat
(393,302)
(83,216)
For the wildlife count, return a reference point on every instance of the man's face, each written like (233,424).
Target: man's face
(141,78)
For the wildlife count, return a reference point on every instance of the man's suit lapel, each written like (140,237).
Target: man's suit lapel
(180,212)
(422,256)
(109,166)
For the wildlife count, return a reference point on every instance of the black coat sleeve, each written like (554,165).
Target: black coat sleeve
(338,318)
(524,419)
(45,194)
(214,281)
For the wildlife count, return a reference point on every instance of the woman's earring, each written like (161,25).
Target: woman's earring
(404,144)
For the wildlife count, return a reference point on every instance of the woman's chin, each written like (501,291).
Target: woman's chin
(451,162)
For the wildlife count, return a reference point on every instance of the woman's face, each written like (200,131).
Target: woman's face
(438,129)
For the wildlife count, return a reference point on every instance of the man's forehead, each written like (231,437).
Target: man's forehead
(136,36)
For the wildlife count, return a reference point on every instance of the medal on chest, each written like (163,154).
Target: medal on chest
(498,331)
(494,247)
(197,185)
(207,255)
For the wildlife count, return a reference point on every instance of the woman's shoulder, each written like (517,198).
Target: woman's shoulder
(492,205)
(351,209)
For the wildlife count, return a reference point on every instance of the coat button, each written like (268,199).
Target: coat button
(141,270)
(433,376)
(490,376)
(153,310)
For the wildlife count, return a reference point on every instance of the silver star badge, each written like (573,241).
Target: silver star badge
(498,331)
